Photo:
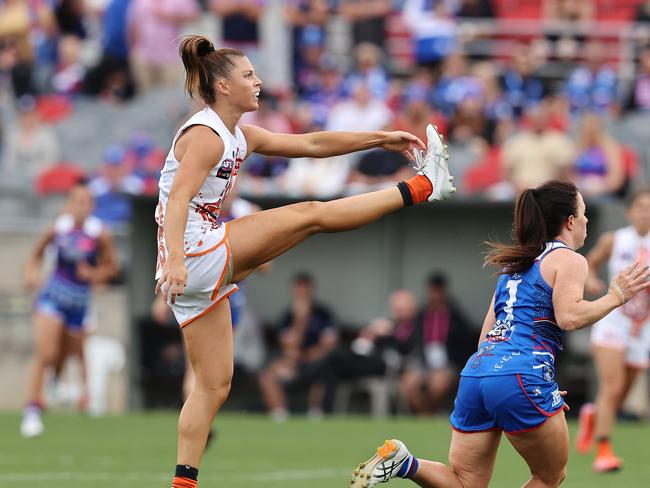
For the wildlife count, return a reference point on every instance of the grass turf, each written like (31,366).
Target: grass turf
(250,451)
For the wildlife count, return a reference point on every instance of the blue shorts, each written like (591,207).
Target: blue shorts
(73,317)
(512,403)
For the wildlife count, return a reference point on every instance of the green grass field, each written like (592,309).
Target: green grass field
(139,451)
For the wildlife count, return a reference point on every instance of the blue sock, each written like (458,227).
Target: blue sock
(409,467)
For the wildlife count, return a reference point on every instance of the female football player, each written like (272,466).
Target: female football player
(85,256)
(620,341)
(200,260)
(508,386)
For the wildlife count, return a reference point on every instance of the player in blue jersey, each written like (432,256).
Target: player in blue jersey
(84,255)
(508,386)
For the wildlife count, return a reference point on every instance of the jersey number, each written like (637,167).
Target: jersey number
(512,298)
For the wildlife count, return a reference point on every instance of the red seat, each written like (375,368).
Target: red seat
(58,178)
(54,108)
(630,162)
(485,173)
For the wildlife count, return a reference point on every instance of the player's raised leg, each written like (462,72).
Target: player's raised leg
(260,237)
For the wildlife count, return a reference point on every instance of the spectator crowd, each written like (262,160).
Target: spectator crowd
(516,108)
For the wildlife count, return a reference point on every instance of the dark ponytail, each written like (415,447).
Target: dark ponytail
(204,65)
(540,214)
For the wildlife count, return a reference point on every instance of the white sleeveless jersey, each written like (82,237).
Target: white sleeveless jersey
(629,247)
(202,219)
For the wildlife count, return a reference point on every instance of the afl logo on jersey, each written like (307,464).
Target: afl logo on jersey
(225,169)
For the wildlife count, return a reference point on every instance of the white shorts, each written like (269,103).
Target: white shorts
(208,275)
(617,332)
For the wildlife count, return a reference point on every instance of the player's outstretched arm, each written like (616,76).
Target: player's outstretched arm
(327,144)
(572,311)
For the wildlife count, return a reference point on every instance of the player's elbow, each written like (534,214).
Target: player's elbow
(567,321)
(314,148)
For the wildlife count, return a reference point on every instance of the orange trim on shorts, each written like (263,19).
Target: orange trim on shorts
(188,322)
(215,292)
(207,251)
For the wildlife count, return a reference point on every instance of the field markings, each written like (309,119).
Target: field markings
(255,477)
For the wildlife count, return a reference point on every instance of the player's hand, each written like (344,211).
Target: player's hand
(403,142)
(85,272)
(173,279)
(629,282)
(566,406)
(32,278)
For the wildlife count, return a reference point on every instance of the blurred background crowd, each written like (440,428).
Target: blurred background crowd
(560,78)
(523,91)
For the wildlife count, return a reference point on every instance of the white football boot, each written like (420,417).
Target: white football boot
(31,425)
(382,466)
(433,165)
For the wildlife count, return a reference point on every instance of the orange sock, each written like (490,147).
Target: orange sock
(180,482)
(604,448)
(420,188)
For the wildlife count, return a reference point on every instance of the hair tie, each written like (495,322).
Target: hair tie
(205,48)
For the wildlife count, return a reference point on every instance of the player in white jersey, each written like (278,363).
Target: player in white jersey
(200,260)
(620,341)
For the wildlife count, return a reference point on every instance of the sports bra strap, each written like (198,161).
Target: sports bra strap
(550,247)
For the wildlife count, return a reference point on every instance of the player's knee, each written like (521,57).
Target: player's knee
(469,475)
(48,358)
(216,389)
(552,478)
(218,392)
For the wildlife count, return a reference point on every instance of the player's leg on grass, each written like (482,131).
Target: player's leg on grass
(48,334)
(208,342)
(611,370)
(48,331)
(631,374)
(471,462)
(189,378)
(73,347)
(546,451)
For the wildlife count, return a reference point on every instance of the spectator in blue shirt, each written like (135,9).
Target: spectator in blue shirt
(113,187)
(592,86)
(522,88)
